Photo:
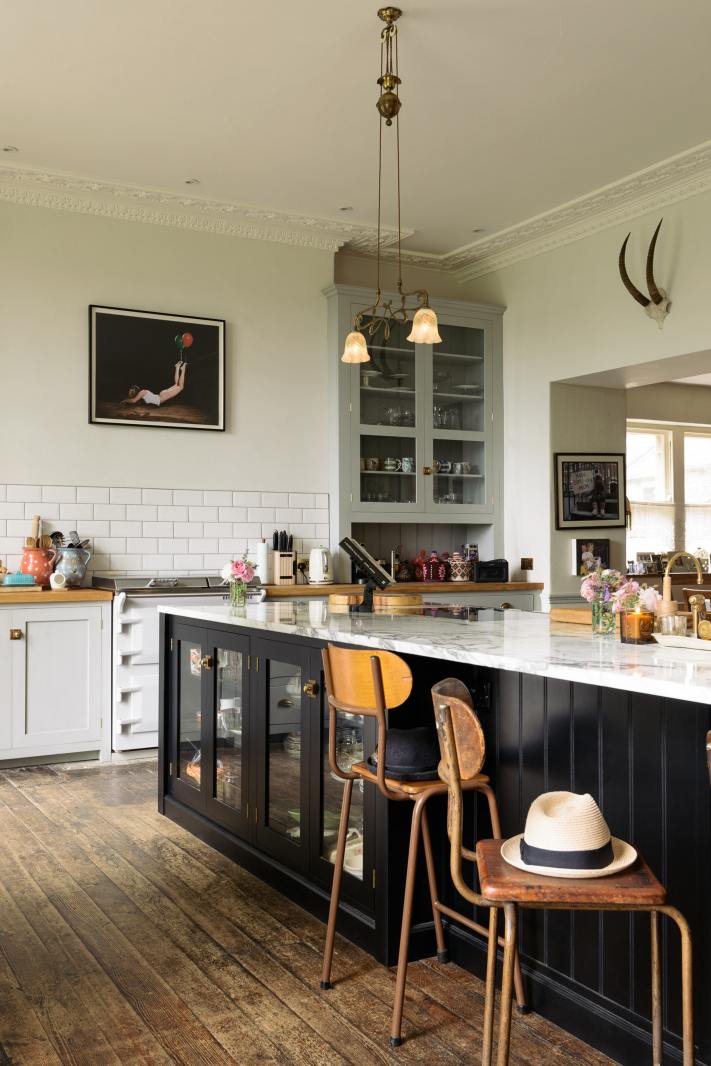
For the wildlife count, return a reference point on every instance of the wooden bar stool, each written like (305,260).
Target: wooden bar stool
(371,683)
(502,885)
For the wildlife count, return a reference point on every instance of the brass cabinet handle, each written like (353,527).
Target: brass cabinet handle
(206,662)
(311,688)
(15,634)
(427,470)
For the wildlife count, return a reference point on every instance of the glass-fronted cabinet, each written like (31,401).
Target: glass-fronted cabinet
(421,438)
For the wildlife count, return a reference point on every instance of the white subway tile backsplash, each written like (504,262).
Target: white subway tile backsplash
(160,531)
(188,496)
(109,510)
(92,495)
(217,497)
(147,512)
(232,514)
(59,494)
(156,496)
(125,496)
(76,512)
(172,545)
(23,493)
(125,529)
(173,514)
(187,529)
(202,514)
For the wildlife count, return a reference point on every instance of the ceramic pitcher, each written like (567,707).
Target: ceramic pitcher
(39,562)
(459,568)
(72,563)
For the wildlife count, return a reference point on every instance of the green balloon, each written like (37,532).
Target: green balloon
(179,341)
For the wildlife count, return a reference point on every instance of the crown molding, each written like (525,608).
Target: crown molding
(674,179)
(670,181)
(34,187)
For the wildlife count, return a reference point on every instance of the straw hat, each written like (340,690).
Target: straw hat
(567,836)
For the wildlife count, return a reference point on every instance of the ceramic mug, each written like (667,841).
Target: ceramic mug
(391,465)
(57,581)
(372,464)
(408,464)
(461,468)
(442,466)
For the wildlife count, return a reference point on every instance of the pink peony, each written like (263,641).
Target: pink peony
(649,599)
(243,570)
(626,597)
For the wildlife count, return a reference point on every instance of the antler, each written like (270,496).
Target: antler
(628,284)
(651,283)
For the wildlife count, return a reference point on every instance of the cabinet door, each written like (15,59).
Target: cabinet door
(189,696)
(226,732)
(355,740)
(387,425)
(56,677)
(459,421)
(281,722)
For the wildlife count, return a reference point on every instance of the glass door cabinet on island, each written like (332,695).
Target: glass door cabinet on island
(248,749)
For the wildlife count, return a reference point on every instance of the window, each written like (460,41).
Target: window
(649,490)
(669,488)
(697,490)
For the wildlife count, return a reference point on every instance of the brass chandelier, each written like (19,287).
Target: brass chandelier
(382,314)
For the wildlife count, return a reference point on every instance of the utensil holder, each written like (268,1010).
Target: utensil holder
(284,568)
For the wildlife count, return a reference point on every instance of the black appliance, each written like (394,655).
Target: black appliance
(491,570)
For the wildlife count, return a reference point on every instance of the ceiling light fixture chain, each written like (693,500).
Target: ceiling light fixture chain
(381,314)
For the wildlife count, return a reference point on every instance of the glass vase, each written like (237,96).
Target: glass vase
(603,619)
(238,593)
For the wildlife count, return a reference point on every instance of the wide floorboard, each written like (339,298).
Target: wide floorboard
(125,940)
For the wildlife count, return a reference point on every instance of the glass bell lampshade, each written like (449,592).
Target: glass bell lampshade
(424,327)
(355,350)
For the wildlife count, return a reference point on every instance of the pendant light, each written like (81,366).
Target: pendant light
(381,315)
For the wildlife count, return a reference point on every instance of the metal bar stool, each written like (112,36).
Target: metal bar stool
(371,683)
(502,885)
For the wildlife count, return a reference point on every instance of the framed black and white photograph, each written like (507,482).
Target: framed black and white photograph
(590,555)
(147,368)
(589,490)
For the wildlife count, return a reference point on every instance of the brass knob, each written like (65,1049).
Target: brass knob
(206,662)
(427,470)
(311,688)
(15,634)
(506,606)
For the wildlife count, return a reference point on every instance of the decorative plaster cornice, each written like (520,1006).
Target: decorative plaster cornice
(668,182)
(129,203)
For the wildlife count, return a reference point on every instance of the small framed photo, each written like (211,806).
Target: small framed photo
(590,555)
(589,490)
(147,368)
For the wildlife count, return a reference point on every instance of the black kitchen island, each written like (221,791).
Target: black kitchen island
(244,739)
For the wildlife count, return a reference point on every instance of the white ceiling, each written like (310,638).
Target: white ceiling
(510,108)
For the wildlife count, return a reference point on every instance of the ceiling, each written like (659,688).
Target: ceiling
(510,108)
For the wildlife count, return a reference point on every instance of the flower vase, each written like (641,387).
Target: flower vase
(238,593)
(603,618)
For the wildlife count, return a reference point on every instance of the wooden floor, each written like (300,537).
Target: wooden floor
(125,940)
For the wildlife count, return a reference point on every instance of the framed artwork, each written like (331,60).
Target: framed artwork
(589,555)
(589,490)
(152,369)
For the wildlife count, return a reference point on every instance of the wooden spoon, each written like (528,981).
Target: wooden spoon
(45,541)
(35,531)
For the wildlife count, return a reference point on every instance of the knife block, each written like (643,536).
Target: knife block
(284,568)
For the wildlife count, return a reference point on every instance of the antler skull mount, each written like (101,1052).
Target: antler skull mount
(657,304)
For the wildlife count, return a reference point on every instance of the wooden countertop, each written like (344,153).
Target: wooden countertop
(275,592)
(59,596)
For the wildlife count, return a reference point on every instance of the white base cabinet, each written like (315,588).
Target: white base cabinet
(54,679)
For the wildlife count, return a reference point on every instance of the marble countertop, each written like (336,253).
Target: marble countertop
(521,641)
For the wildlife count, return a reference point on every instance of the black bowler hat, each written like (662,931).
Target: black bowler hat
(410,754)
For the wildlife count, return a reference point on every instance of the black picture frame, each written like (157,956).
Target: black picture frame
(591,552)
(133,372)
(590,489)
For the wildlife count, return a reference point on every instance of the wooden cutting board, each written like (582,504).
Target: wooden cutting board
(397,599)
(20,588)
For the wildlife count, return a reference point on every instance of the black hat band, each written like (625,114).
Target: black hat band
(597,859)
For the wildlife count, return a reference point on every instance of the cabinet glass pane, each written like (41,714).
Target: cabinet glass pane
(228,728)
(458,471)
(189,712)
(284,738)
(387,386)
(458,380)
(349,749)
(388,469)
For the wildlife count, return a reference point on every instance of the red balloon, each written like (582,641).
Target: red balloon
(187,340)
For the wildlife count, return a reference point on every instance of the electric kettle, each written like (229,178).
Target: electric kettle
(320,567)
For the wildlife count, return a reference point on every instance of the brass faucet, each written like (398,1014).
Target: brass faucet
(669,604)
